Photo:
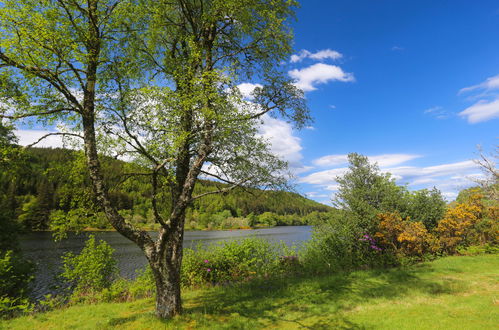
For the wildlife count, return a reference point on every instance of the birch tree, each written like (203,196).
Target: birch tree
(156,82)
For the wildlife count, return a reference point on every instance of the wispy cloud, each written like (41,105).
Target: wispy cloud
(324,178)
(489,84)
(397,48)
(381,160)
(437,112)
(319,73)
(481,111)
(487,107)
(319,55)
(448,177)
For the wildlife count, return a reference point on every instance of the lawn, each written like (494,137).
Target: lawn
(449,293)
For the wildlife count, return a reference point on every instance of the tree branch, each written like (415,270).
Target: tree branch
(220,191)
(52,134)
(25,115)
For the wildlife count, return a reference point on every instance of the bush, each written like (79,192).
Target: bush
(91,271)
(15,277)
(125,290)
(426,206)
(340,244)
(468,223)
(235,261)
(402,237)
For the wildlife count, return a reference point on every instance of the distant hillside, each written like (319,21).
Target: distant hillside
(50,185)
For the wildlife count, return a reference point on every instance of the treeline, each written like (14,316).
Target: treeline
(48,189)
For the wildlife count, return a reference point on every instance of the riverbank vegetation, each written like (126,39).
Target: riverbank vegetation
(453,292)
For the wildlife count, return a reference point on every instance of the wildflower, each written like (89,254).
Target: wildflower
(208,269)
(206,261)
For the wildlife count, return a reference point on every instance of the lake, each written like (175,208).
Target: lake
(46,254)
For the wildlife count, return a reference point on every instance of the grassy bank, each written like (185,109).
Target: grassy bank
(449,293)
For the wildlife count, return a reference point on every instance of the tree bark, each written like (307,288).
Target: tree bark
(166,268)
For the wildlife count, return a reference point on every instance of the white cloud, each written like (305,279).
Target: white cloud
(319,73)
(481,111)
(433,109)
(382,160)
(392,159)
(319,55)
(397,48)
(437,112)
(247,89)
(314,194)
(423,181)
(410,172)
(324,178)
(487,107)
(489,84)
(450,195)
(27,137)
(283,143)
(449,178)
(333,187)
(331,160)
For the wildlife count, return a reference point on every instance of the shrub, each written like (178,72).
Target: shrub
(468,223)
(234,261)
(403,237)
(15,276)
(341,243)
(426,206)
(126,290)
(91,271)
(364,191)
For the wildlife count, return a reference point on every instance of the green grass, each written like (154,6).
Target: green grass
(449,293)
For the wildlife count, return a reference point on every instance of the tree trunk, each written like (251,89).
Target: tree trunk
(166,266)
(168,300)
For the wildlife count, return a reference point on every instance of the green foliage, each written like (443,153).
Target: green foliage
(341,244)
(474,250)
(15,277)
(364,192)
(143,286)
(357,236)
(93,270)
(53,182)
(236,261)
(426,206)
(15,271)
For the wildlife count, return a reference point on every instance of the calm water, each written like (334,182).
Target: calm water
(40,247)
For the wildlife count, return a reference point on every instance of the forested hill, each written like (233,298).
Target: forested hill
(49,188)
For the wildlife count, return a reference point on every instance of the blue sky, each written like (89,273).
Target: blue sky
(412,84)
(415,86)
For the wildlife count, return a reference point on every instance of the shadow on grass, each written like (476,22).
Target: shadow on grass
(122,320)
(318,302)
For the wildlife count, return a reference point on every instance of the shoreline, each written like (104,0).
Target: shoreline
(90,229)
